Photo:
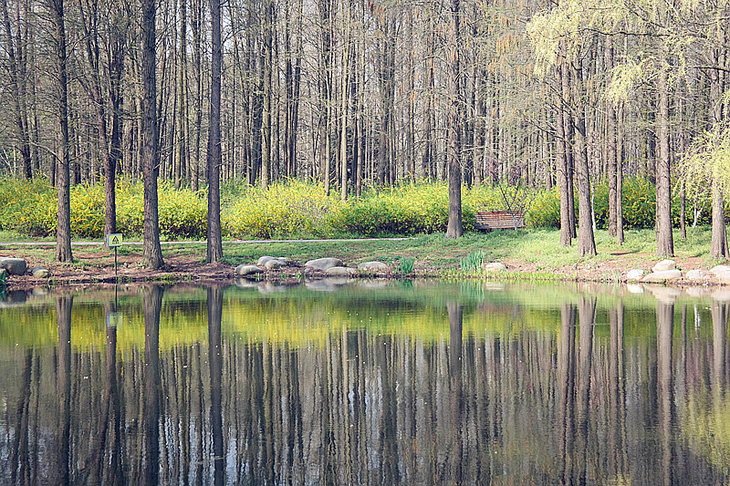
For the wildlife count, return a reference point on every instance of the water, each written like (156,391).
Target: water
(404,383)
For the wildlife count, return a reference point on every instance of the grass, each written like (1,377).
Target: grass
(432,253)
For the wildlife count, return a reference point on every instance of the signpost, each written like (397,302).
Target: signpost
(114,240)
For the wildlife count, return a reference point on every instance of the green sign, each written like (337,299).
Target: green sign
(114,239)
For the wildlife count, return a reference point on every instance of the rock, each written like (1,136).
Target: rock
(248,270)
(14,266)
(663,266)
(373,267)
(264,260)
(274,264)
(634,275)
(661,277)
(495,267)
(322,264)
(696,275)
(339,272)
(722,272)
(40,272)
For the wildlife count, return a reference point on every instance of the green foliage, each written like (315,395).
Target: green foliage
(31,208)
(639,200)
(295,209)
(545,210)
(406,265)
(292,208)
(472,263)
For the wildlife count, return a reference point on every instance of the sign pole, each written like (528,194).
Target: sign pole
(114,241)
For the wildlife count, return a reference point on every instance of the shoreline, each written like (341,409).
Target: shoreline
(224,274)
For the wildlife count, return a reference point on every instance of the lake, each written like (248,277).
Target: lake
(365,383)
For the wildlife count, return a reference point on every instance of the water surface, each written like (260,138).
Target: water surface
(364,384)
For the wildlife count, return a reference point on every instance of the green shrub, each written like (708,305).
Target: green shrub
(544,211)
(290,208)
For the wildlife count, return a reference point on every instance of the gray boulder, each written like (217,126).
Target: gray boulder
(274,264)
(322,264)
(248,270)
(339,272)
(696,275)
(14,266)
(262,261)
(495,267)
(661,277)
(40,272)
(373,267)
(722,272)
(664,266)
(634,275)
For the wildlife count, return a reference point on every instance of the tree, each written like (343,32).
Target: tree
(151,249)
(215,244)
(63,231)
(17,69)
(454,228)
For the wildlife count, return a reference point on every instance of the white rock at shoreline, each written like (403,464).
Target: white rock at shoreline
(373,267)
(722,272)
(322,264)
(696,274)
(664,266)
(661,277)
(339,272)
(495,267)
(248,270)
(634,275)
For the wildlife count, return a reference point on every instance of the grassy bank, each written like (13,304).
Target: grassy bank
(529,252)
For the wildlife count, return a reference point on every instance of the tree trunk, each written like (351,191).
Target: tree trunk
(18,91)
(215,242)
(718,243)
(665,242)
(455,228)
(151,249)
(63,231)
(586,242)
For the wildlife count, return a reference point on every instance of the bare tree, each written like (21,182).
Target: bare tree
(151,249)
(215,245)
(455,228)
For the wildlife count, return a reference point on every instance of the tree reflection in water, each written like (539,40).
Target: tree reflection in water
(580,401)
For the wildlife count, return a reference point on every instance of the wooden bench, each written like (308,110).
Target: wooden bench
(489,220)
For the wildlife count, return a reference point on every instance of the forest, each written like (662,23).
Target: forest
(363,94)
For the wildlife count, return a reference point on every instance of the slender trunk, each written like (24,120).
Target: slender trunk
(18,91)
(151,249)
(455,228)
(63,231)
(215,243)
(665,242)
